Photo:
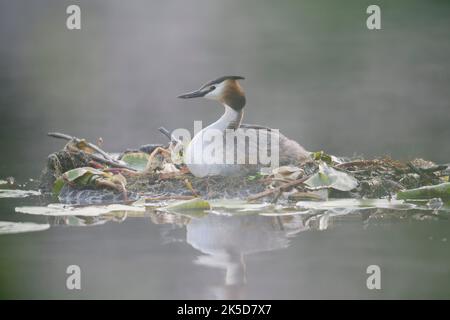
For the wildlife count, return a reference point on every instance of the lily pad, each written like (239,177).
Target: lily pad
(236,204)
(331,178)
(7,227)
(356,204)
(195,204)
(437,191)
(11,193)
(90,211)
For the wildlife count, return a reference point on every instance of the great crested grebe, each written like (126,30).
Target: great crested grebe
(202,162)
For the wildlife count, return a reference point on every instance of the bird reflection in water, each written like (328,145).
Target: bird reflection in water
(226,240)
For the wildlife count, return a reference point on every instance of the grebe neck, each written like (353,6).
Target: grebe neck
(231,119)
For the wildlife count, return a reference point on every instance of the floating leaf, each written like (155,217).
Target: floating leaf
(437,191)
(10,193)
(195,204)
(332,178)
(7,227)
(231,207)
(63,210)
(355,204)
(235,204)
(10,183)
(136,160)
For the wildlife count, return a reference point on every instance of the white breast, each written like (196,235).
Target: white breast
(202,162)
(197,157)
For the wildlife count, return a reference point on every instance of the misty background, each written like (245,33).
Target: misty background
(312,69)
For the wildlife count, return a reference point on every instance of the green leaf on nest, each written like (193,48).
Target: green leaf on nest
(331,178)
(57,186)
(83,173)
(322,156)
(136,160)
(84,176)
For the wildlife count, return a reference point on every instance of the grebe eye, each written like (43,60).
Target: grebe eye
(212,88)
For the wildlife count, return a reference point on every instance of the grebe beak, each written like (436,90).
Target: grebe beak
(196,94)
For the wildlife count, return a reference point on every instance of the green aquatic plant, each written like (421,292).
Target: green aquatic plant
(441,191)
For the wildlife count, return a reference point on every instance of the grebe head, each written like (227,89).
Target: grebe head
(226,90)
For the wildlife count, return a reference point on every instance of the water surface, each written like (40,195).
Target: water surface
(250,254)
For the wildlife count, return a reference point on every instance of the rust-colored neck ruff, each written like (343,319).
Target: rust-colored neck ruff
(233,95)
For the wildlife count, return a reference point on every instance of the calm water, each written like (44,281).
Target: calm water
(312,69)
(217,256)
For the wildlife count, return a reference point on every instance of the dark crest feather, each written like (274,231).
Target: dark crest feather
(221,79)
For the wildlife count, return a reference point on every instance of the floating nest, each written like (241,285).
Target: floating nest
(188,185)
(162,179)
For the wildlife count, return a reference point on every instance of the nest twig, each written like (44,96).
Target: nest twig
(106,159)
(278,190)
